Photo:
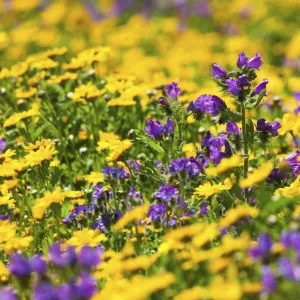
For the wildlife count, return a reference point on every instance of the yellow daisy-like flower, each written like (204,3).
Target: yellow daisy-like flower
(94,177)
(86,92)
(45,64)
(20,94)
(86,236)
(38,145)
(290,191)
(34,158)
(117,147)
(225,164)
(258,175)
(63,78)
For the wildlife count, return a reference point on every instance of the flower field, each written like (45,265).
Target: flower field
(149,149)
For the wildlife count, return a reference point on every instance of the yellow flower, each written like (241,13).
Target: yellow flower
(290,191)
(258,175)
(133,216)
(38,145)
(7,200)
(63,78)
(207,189)
(86,92)
(117,147)
(45,64)
(225,164)
(94,177)
(290,122)
(25,94)
(190,149)
(108,136)
(235,214)
(41,204)
(4,273)
(34,158)
(86,236)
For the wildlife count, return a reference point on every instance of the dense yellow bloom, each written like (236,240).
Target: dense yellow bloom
(137,288)
(290,122)
(38,144)
(86,236)
(290,191)
(4,273)
(25,94)
(108,136)
(136,214)
(94,177)
(116,147)
(45,64)
(207,189)
(86,92)
(16,117)
(190,149)
(225,164)
(7,200)
(235,214)
(34,158)
(258,175)
(63,78)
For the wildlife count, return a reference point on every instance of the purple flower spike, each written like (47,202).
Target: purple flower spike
(7,294)
(261,86)
(37,264)
(215,105)
(243,80)
(156,211)
(268,280)
(242,60)
(286,268)
(89,257)
(294,162)
(255,62)
(203,208)
(172,90)
(168,128)
(233,86)
(232,128)
(218,72)
(273,127)
(19,265)
(60,257)
(153,129)
(166,193)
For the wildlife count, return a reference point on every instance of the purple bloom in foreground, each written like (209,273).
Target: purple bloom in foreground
(173,90)
(233,86)
(263,247)
(203,208)
(294,162)
(37,264)
(89,257)
(261,86)
(255,62)
(65,291)
(297,95)
(242,60)
(218,72)
(268,280)
(153,128)
(178,165)
(286,268)
(87,286)
(243,80)
(210,104)
(43,291)
(273,127)
(232,128)
(2,145)
(166,193)
(156,211)
(60,257)
(168,128)
(19,265)
(7,294)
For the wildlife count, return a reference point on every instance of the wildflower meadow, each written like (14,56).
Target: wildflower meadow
(149,149)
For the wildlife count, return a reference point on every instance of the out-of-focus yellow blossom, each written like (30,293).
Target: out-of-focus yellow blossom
(4,272)
(235,214)
(137,288)
(94,177)
(108,136)
(7,200)
(45,64)
(133,216)
(3,40)
(225,164)
(63,78)
(86,92)
(258,175)
(16,117)
(190,149)
(38,144)
(86,236)
(34,158)
(290,191)
(25,5)
(290,122)
(25,94)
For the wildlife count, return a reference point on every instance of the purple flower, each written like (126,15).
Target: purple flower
(218,72)
(43,291)
(215,105)
(172,90)
(163,101)
(156,211)
(263,247)
(89,257)
(203,208)
(233,86)
(232,128)
(65,291)
(60,257)
(243,80)
(86,286)
(37,264)
(293,161)
(261,86)
(194,167)
(273,127)
(179,165)
(116,173)
(134,166)
(200,104)
(154,129)
(276,176)
(286,268)
(19,265)
(7,294)
(268,280)
(98,192)
(242,60)
(255,62)
(2,145)
(297,95)
(168,128)
(166,193)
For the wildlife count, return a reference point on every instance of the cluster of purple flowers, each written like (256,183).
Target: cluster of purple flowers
(166,193)
(78,286)
(272,128)
(293,161)
(134,166)
(286,267)
(210,104)
(172,90)
(2,145)
(215,145)
(115,173)
(156,130)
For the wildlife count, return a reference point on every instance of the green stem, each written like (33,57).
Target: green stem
(245,145)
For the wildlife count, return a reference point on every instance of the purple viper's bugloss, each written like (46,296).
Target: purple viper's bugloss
(233,86)
(7,294)
(243,80)
(242,60)
(203,209)
(273,127)
(255,62)
(89,256)
(37,264)
(154,128)
(166,193)
(268,280)
(2,145)
(218,72)
(19,265)
(261,86)
(156,211)
(87,286)
(286,268)
(232,128)
(172,90)
(62,257)
(293,161)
